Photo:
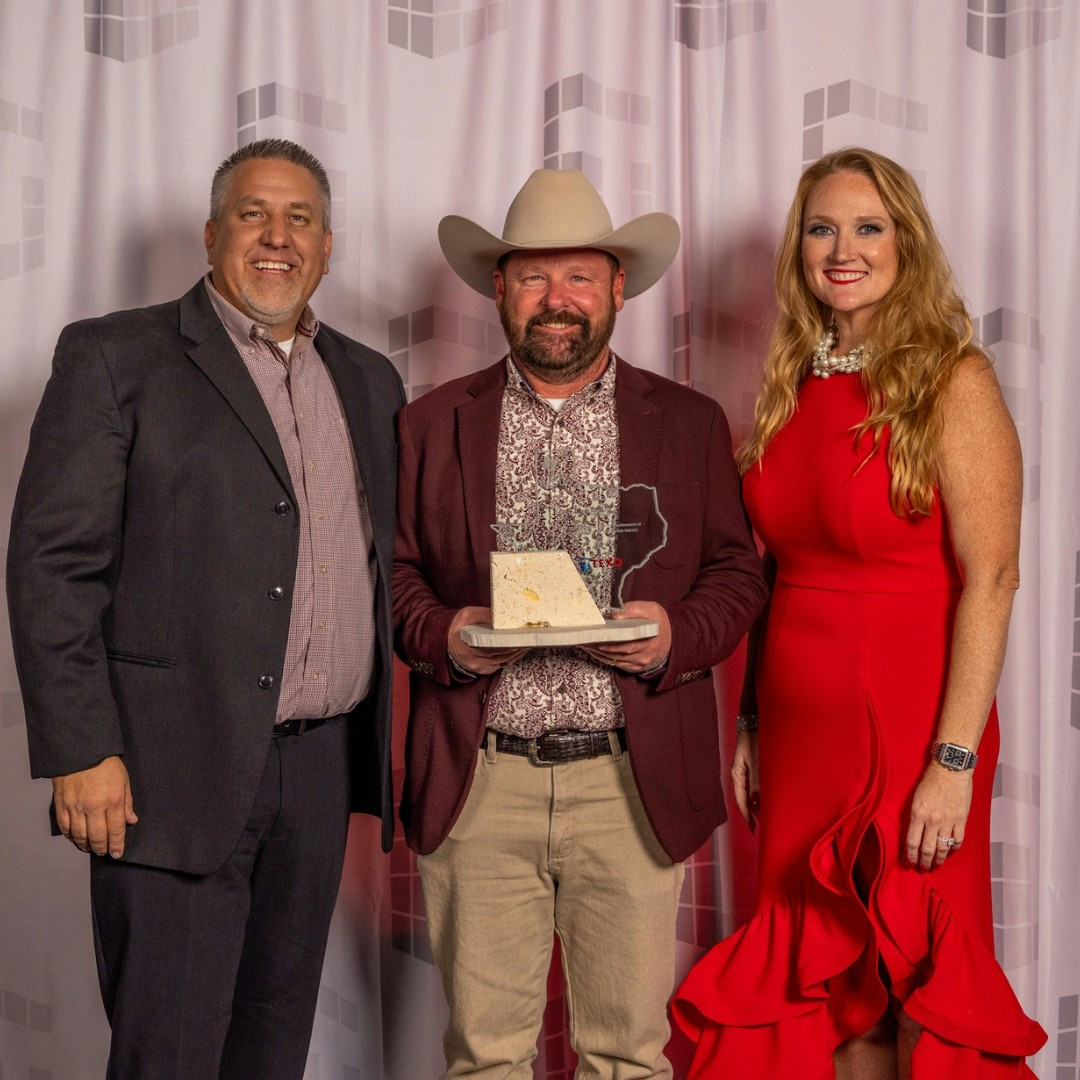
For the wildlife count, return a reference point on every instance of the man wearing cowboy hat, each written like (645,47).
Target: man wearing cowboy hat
(559,789)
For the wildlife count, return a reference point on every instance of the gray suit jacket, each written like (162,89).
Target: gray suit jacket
(154,513)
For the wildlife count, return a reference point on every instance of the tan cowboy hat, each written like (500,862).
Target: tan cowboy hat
(559,208)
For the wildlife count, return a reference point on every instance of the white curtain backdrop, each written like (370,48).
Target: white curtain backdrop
(113,115)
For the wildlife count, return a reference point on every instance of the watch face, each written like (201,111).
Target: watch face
(950,756)
(954,757)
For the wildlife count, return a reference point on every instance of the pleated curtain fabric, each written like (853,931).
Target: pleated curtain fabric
(113,116)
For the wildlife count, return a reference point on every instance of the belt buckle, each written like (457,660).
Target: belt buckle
(532,752)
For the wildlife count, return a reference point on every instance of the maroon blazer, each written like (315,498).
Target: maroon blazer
(708,578)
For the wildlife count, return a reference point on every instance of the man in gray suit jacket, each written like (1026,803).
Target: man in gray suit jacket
(198,584)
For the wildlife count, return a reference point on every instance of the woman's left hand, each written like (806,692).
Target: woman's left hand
(939,810)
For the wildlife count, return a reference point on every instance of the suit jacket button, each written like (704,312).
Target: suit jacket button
(282,508)
(276,593)
(266,681)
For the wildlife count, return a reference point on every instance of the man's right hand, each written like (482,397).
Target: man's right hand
(94,807)
(477,661)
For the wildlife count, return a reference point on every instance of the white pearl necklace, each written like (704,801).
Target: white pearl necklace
(824,364)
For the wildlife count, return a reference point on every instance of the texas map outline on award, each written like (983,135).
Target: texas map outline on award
(643,531)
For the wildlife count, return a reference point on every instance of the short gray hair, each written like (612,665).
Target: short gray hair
(273,149)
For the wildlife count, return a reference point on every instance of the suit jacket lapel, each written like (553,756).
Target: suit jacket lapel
(353,392)
(478,447)
(355,398)
(641,428)
(641,425)
(216,356)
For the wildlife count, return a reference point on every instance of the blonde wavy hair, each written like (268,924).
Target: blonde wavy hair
(919,334)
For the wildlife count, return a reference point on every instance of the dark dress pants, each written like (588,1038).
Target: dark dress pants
(216,977)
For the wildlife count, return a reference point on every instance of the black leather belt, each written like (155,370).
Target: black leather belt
(299,724)
(556,747)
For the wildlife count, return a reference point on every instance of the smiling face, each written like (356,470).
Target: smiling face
(558,310)
(268,248)
(849,251)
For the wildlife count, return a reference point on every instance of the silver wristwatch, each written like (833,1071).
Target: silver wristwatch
(954,757)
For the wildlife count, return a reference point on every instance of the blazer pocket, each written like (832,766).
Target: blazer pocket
(121,657)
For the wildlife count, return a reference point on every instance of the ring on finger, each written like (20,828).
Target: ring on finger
(946,841)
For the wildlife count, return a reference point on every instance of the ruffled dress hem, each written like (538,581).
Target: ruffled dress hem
(778,996)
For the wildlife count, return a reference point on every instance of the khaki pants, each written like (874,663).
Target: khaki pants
(565,849)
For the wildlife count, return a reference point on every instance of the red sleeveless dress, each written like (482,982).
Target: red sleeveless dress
(850,681)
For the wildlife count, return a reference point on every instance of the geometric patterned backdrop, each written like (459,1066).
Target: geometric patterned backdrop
(113,115)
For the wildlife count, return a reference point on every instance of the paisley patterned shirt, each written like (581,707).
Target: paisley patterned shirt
(557,486)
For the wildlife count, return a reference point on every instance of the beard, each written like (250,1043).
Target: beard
(559,361)
(262,311)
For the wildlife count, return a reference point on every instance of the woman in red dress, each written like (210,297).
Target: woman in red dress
(884,478)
